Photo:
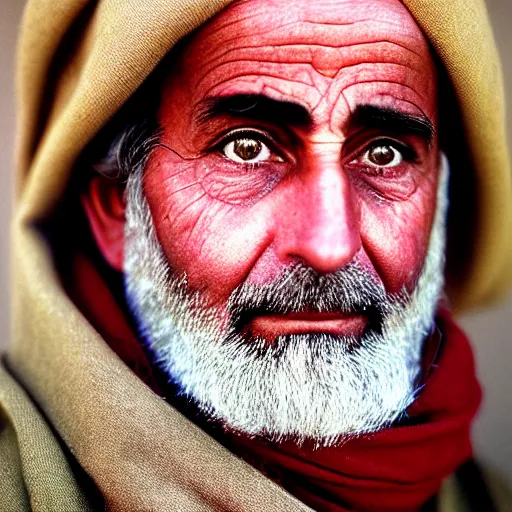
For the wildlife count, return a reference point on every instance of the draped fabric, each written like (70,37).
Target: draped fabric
(395,470)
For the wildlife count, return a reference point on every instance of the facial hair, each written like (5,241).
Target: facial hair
(319,387)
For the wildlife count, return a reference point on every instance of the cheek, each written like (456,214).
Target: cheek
(396,235)
(214,242)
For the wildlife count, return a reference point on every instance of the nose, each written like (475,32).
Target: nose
(320,223)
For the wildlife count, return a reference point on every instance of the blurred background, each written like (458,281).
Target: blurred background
(490,331)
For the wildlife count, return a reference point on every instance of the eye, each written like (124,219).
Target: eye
(383,154)
(246,150)
(248,147)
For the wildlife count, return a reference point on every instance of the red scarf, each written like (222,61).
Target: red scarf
(397,469)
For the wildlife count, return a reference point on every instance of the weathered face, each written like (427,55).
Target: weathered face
(279,254)
(304,133)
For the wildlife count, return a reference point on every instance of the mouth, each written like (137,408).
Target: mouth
(271,326)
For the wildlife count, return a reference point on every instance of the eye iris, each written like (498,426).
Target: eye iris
(247,149)
(381,155)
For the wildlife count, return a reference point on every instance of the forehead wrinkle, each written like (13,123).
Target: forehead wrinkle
(289,49)
(275,29)
(345,89)
(393,82)
(408,79)
(255,26)
(257,86)
(285,43)
(260,39)
(359,73)
(361,61)
(237,37)
(336,33)
(373,61)
(339,13)
(305,47)
(255,71)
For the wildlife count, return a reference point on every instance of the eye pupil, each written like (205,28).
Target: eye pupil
(247,149)
(381,155)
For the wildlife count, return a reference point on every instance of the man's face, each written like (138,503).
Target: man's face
(297,137)
(291,172)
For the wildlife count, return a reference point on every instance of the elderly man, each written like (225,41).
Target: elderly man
(259,234)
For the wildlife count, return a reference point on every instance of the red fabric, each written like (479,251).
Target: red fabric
(397,469)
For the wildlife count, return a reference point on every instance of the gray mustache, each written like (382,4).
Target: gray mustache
(350,290)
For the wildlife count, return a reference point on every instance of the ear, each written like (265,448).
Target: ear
(104,206)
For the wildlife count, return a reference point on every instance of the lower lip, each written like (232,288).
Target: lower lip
(272,326)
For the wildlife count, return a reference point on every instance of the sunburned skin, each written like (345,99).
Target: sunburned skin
(314,196)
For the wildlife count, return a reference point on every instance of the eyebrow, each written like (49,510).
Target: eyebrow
(254,106)
(287,113)
(394,121)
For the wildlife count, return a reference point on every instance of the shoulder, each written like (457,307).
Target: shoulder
(36,473)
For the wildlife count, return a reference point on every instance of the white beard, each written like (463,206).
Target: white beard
(315,387)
